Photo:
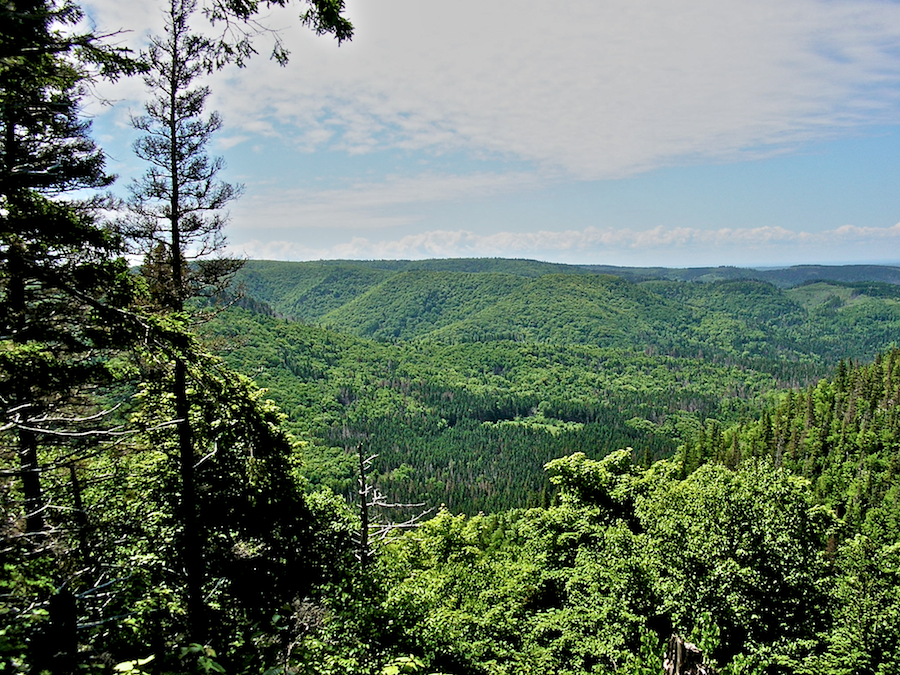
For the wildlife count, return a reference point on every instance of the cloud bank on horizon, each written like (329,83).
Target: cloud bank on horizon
(700,132)
(657,247)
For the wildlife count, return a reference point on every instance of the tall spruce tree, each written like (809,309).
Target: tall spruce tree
(65,299)
(63,282)
(178,220)
(44,149)
(62,274)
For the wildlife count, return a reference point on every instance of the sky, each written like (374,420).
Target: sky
(618,132)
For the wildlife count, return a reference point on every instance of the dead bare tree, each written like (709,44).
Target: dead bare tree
(372,499)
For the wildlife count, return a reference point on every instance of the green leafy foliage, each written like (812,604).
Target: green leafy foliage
(841,434)
(597,584)
(474,422)
(143,479)
(751,563)
(735,319)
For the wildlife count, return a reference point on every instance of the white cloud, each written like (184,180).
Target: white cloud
(599,89)
(590,90)
(668,245)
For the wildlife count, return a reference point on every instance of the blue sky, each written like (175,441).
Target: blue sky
(757,132)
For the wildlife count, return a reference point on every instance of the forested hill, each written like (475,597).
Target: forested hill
(466,376)
(766,571)
(307,290)
(747,320)
(783,277)
(471,425)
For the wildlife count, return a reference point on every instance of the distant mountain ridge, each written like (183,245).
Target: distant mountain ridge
(814,314)
(785,277)
(306,274)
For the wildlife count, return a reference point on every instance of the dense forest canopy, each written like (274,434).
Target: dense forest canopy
(458,467)
(770,463)
(475,377)
(816,322)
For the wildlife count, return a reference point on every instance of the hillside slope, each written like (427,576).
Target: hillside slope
(743,320)
(465,383)
(471,424)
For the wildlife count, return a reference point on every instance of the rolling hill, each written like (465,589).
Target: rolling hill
(466,376)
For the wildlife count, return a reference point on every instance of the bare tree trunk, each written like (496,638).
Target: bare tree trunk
(27,450)
(684,658)
(192,544)
(31,482)
(55,649)
(363,508)
(84,543)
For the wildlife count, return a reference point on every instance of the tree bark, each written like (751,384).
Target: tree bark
(191,545)
(363,508)
(27,440)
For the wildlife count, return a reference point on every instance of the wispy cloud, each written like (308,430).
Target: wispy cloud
(599,89)
(374,205)
(580,91)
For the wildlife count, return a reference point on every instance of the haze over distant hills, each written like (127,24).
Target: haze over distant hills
(781,276)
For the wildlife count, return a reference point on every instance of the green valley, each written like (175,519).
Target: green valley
(473,468)
(465,383)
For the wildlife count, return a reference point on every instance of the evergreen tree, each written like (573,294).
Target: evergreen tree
(178,204)
(178,219)
(44,149)
(63,284)
(66,320)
